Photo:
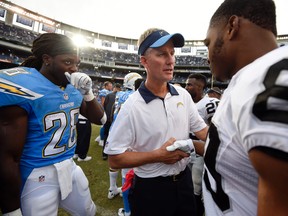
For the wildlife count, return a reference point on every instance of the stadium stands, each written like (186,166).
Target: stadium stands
(101,63)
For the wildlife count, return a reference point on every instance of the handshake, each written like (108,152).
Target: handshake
(83,83)
(185,146)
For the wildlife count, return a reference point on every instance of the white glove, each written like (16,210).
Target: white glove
(83,83)
(183,145)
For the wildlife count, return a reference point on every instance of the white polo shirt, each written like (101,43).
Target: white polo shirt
(145,122)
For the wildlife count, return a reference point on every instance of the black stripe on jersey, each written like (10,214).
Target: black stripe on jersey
(273,90)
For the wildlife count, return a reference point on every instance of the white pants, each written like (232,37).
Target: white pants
(197,172)
(42,194)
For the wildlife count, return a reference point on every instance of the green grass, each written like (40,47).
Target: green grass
(97,172)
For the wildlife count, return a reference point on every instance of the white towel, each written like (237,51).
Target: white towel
(64,171)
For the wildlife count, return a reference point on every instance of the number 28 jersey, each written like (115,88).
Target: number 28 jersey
(252,113)
(52,116)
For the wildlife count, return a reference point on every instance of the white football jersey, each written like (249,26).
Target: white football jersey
(253,112)
(207,107)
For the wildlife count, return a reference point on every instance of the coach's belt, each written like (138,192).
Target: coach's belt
(173,178)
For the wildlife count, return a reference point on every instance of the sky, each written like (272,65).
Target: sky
(130,18)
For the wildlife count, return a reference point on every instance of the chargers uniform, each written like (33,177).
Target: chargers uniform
(120,99)
(102,94)
(51,135)
(252,113)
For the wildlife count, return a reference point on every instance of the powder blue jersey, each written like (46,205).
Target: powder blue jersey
(102,93)
(121,97)
(52,116)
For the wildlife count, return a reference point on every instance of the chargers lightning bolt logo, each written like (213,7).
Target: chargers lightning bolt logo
(12,88)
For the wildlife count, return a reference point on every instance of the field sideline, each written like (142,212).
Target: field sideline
(96,171)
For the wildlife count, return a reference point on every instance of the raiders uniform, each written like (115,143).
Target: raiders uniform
(252,113)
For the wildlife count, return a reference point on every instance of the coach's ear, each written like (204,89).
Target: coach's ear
(233,26)
(143,60)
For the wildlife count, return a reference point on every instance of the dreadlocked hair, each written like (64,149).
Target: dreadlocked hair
(32,62)
(51,44)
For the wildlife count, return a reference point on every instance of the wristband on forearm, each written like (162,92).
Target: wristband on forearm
(104,118)
(89,96)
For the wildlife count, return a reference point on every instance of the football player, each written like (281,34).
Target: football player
(206,106)
(246,155)
(39,108)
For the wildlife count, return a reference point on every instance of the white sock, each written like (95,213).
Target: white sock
(113,179)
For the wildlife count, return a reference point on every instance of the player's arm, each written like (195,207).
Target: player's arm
(131,159)
(13,129)
(202,134)
(93,111)
(272,186)
(199,145)
(90,108)
(102,100)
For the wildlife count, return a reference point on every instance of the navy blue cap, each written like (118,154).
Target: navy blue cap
(160,38)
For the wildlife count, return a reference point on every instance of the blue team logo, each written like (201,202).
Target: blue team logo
(8,87)
(65,96)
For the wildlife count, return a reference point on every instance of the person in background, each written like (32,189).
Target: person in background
(84,130)
(129,88)
(39,108)
(151,133)
(195,85)
(131,83)
(108,106)
(246,155)
(214,92)
(107,88)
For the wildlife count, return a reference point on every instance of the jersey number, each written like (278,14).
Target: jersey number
(211,107)
(273,91)
(50,120)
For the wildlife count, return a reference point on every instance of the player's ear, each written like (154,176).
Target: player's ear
(46,59)
(233,26)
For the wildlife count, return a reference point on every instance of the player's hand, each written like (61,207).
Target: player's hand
(169,157)
(183,145)
(82,82)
